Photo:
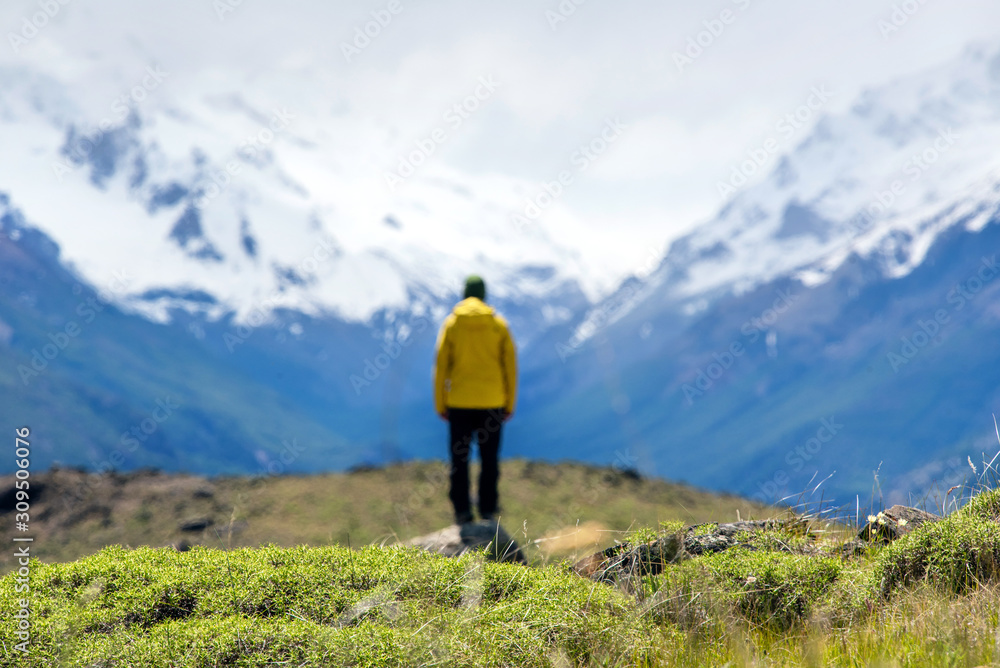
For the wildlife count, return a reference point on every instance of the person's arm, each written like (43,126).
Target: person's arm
(508,361)
(442,368)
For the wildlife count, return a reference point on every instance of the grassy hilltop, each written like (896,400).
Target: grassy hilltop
(788,596)
(567,508)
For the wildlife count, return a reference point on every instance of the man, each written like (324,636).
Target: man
(475,385)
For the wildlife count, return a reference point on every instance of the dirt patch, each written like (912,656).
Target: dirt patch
(585,537)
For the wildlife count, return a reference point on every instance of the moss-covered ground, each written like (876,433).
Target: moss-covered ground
(788,599)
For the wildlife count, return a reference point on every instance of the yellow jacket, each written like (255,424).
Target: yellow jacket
(476,363)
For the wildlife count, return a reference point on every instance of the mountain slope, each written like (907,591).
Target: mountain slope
(217,204)
(801,303)
(85,376)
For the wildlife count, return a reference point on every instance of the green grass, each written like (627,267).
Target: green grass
(548,503)
(766,589)
(959,553)
(931,598)
(377,606)
(395,606)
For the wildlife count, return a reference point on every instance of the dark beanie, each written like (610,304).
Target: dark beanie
(475,287)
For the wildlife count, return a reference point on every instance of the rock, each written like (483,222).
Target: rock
(195,524)
(457,539)
(8,498)
(615,476)
(852,548)
(894,523)
(724,536)
(624,562)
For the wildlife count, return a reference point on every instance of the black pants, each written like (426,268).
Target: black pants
(484,425)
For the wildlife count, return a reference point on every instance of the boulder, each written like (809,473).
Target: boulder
(194,524)
(624,562)
(893,524)
(458,539)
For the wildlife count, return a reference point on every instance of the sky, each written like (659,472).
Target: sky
(553,76)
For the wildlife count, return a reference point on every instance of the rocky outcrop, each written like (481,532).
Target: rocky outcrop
(887,526)
(710,538)
(893,524)
(458,539)
(623,563)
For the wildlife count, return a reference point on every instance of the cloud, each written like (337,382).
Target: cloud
(559,82)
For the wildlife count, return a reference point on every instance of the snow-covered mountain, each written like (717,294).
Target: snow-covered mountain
(217,198)
(217,201)
(910,160)
(855,286)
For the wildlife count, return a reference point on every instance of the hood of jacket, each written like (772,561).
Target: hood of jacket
(472,306)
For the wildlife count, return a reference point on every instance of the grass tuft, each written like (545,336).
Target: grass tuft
(958,553)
